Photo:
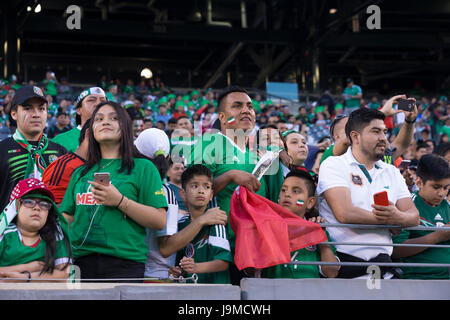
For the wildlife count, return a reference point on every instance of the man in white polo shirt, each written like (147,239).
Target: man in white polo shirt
(346,187)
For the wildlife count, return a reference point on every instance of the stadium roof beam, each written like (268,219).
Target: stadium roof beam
(234,50)
(268,69)
(48,26)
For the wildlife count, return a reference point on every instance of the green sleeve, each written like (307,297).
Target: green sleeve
(204,151)
(403,236)
(327,153)
(219,244)
(151,192)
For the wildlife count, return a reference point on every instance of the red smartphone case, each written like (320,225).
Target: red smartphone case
(381,198)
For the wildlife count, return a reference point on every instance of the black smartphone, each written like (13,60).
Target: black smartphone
(405,105)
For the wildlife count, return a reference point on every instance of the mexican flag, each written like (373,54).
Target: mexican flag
(267,233)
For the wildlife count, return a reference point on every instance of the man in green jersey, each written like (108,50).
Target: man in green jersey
(86,103)
(433,180)
(226,153)
(352,94)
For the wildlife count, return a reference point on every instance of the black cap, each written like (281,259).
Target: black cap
(349,80)
(27,92)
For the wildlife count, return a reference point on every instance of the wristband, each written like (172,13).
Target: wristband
(29,275)
(119,202)
(411,121)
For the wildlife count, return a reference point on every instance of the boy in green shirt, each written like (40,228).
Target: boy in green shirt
(298,196)
(205,229)
(433,180)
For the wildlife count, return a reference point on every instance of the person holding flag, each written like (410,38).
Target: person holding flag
(28,152)
(227,155)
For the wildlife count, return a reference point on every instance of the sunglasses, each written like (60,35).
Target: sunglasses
(31,203)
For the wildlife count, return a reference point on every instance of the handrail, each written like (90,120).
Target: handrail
(381,226)
(368,264)
(387,244)
(381,264)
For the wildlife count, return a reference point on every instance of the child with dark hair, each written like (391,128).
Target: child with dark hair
(204,228)
(433,180)
(298,195)
(33,235)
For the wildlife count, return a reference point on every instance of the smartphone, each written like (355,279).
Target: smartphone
(405,105)
(381,198)
(102,178)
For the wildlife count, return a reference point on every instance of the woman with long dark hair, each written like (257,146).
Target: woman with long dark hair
(109,216)
(33,238)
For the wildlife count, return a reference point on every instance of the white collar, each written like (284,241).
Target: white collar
(350,159)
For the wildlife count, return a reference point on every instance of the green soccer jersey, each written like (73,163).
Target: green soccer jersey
(105,229)
(53,109)
(353,91)
(69,139)
(296,271)
(210,244)
(327,153)
(429,217)
(14,252)
(220,155)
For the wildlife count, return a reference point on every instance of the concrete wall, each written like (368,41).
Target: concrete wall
(103,291)
(250,289)
(343,289)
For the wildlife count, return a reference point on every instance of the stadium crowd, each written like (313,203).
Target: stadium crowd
(137,180)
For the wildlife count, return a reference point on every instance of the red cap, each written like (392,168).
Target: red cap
(26,186)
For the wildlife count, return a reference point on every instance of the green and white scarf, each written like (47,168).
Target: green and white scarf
(36,164)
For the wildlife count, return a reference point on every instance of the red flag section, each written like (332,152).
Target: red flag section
(267,233)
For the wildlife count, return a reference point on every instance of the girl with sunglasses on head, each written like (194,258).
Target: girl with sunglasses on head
(33,236)
(109,219)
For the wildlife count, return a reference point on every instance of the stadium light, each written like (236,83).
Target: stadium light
(28,8)
(333,10)
(146,73)
(38,8)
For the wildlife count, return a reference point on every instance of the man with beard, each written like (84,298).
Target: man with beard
(346,187)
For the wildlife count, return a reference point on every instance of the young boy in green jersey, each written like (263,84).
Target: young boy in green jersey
(297,194)
(211,255)
(433,180)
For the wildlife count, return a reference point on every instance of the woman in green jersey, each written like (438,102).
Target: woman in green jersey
(108,219)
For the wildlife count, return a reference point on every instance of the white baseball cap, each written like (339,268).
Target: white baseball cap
(153,142)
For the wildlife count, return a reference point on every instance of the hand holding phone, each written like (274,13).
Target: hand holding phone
(102,178)
(406,104)
(381,198)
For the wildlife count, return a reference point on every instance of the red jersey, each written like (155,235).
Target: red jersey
(57,175)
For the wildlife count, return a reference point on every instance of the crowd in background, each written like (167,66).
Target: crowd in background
(186,117)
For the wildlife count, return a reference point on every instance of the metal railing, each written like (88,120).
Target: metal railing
(194,277)
(380,264)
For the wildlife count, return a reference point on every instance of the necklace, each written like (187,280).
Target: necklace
(107,165)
